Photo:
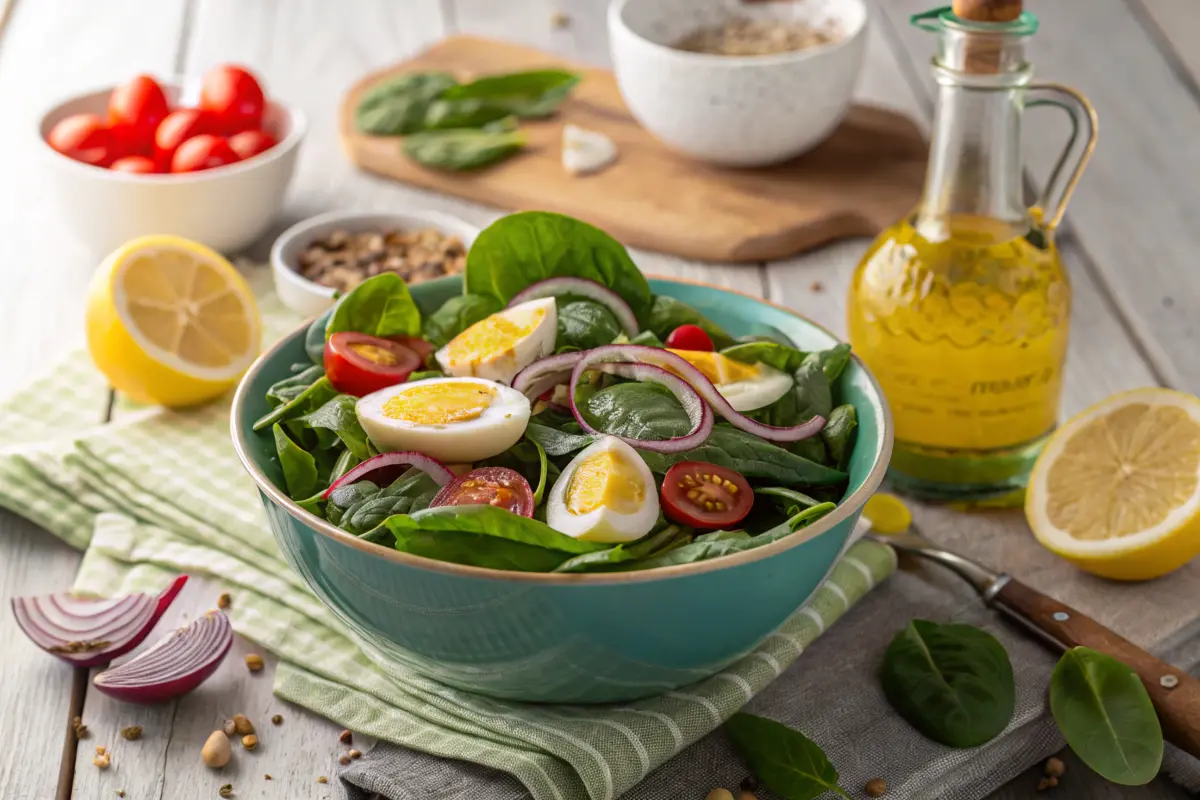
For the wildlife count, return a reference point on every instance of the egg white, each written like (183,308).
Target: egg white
(767,386)
(495,430)
(604,524)
(503,364)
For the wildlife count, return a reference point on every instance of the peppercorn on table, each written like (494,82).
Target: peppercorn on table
(1129,244)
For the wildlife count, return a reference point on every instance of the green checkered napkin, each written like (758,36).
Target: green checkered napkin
(158,492)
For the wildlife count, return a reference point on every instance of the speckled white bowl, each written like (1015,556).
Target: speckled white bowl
(734,110)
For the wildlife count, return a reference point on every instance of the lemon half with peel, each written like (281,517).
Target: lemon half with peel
(1116,490)
(171,322)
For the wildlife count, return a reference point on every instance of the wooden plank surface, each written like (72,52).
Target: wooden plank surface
(1177,24)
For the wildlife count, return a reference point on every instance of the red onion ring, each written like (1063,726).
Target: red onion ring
(390,466)
(697,410)
(546,373)
(701,385)
(584,287)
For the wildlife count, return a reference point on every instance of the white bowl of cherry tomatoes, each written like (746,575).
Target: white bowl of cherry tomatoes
(133,160)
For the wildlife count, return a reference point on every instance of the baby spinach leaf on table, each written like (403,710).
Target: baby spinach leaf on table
(532,94)
(312,397)
(520,249)
(838,434)
(314,338)
(773,354)
(456,315)
(397,106)
(783,759)
(1106,716)
(379,306)
(584,324)
(953,683)
(555,442)
(667,314)
(471,112)
(287,389)
(337,415)
(462,148)
(299,467)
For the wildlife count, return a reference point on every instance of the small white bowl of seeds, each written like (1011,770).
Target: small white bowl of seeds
(332,253)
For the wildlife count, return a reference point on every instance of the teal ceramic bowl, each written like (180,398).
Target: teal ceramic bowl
(566,638)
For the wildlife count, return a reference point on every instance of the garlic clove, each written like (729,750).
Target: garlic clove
(585,151)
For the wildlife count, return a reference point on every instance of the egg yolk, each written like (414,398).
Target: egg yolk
(718,368)
(606,480)
(440,403)
(495,335)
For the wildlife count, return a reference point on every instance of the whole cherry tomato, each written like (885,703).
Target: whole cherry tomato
(84,137)
(689,337)
(704,495)
(134,111)
(251,143)
(234,96)
(138,165)
(493,486)
(358,363)
(179,126)
(202,152)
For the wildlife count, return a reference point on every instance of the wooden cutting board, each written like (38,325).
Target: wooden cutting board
(865,176)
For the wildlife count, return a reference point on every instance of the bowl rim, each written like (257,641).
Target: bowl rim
(297,128)
(616,21)
(845,509)
(447,223)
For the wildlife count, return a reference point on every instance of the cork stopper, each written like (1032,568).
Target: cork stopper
(988,10)
(983,54)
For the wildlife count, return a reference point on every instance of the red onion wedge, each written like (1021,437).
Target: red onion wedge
(546,373)
(173,666)
(697,380)
(383,469)
(554,287)
(697,410)
(86,632)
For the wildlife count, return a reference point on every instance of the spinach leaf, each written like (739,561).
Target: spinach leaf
(346,461)
(397,107)
(651,544)
(299,467)
(364,510)
(773,354)
(289,388)
(380,306)
(424,374)
(667,314)
(1105,714)
(636,410)
(755,458)
(793,502)
(485,536)
(584,324)
(812,448)
(312,397)
(783,759)
(314,338)
(456,315)
(647,339)
(530,94)
(838,434)
(469,112)
(834,360)
(953,683)
(555,442)
(338,415)
(812,393)
(462,148)
(521,249)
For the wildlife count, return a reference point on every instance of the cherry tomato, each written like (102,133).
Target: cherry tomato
(251,143)
(202,152)
(704,495)
(689,337)
(179,126)
(494,486)
(359,364)
(84,137)
(138,165)
(234,96)
(418,345)
(134,111)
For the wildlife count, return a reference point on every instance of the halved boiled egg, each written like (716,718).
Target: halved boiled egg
(455,420)
(745,386)
(606,494)
(501,345)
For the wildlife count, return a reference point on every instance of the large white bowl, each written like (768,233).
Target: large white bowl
(734,110)
(227,208)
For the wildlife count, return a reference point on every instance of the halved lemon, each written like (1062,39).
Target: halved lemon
(1117,489)
(171,322)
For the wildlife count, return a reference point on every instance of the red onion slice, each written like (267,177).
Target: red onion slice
(554,287)
(546,373)
(174,665)
(702,385)
(697,410)
(386,467)
(86,632)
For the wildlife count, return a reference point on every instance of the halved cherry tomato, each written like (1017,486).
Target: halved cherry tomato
(251,143)
(421,347)
(359,364)
(138,165)
(234,96)
(175,129)
(134,111)
(689,337)
(493,486)
(86,138)
(202,152)
(704,495)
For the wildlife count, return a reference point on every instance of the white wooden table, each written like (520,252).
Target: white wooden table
(1131,244)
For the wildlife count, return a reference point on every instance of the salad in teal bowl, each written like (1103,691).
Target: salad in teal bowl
(551,479)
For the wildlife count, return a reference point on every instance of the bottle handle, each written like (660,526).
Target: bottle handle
(1060,185)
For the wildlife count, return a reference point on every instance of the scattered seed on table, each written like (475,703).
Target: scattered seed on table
(230,728)
(250,741)
(224,600)
(559,20)
(1047,783)
(119,792)
(719,794)
(344,760)
(816,287)
(1055,767)
(81,730)
(322,779)
(345,737)
(101,750)
(355,754)
(277,719)
(226,790)
(102,761)
(217,750)
(876,787)
(254,662)
(744,795)
(241,725)
(267,776)
(132,733)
